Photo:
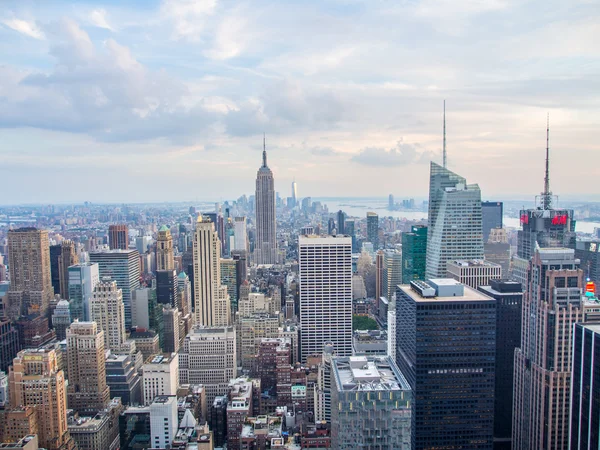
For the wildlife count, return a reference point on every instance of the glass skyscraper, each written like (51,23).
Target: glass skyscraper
(373,229)
(454,222)
(414,254)
(491,213)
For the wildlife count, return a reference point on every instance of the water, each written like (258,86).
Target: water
(359,206)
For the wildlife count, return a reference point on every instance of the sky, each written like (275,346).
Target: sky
(147,100)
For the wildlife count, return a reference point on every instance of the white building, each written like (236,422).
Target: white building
(209,357)
(163,421)
(212,301)
(240,234)
(391,335)
(474,272)
(83,279)
(325,294)
(160,376)
(108,311)
(140,302)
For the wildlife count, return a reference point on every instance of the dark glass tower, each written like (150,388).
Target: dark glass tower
(491,217)
(373,229)
(509,300)
(167,288)
(445,346)
(341,222)
(414,253)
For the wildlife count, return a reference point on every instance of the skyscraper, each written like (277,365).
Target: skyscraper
(552,304)
(491,217)
(325,294)
(67,258)
(123,266)
(350,231)
(107,310)
(438,321)
(118,237)
(373,229)
(164,250)
(414,254)
(229,278)
(266,232)
(29,266)
(167,288)
(83,279)
(35,379)
(87,392)
(454,221)
(341,222)
(240,234)
(392,272)
(211,297)
(61,319)
(294,193)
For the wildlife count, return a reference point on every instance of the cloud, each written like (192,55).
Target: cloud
(400,155)
(324,151)
(188,17)
(98,18)
(22,26)
(230,39)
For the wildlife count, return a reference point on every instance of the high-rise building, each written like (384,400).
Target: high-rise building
(373,404)
(585,402)
(55,251)
(171,329)
(217,420)
(118,237)
(167,288)
(454,221)
(341,222)
(392,272)
(414,254)
(123,378)
(509,301)
(61,319)
(209,357)
(379,269)
(160,376)
(123,266)
(325,267)
(35,379)
(491,217)
(229,278)
(185,294)
(87,391)
(83,279)
(438,321)
(164,250)
(391,203)
(100,431)
(552,304)
(9,344)
(107,310)
(240,241)
(473,272)
(29,266)
(588,252)
(163,421)
(210,296)
(142,244)
(349,231)
(294,194)
(497,249)
(331,226)
(265,249)
(373,229)
(67,258)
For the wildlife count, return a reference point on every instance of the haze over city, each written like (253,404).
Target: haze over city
(151,100)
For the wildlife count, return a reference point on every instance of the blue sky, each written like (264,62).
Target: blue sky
(158,100)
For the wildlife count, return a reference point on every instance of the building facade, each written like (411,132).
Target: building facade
(164,250)
(108,311)
(473,272)
(373,229)
(83,279)
(118,237)
(414,254)
(491,217)
(265,248)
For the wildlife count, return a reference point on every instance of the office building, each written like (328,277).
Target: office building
(473,272)
(83,279)
(123,266)
(209,357)
(273,369)
(373,229)
(164,250)
(240,234)
(373,404)
(210,296)
(167,288)
(331,226)
(107,310)
(552,304)
(146,312)
(18,422)
(61,319)
(585,402)
(118,237)
(67,258)
(392,272)
(349,229)
(454,221)
(171,318)
(265,248)
(87,391)
(509,302)
(294,194)
(491,217)
(98,432)
(252,328)
(229,278)
(414,254)
(325,268)
(142,244)
(35,379)
(160,376)
(341,222)
(217,420)
(30,289)
(239,408)
(379,269)
(9,344)
(438,321)
(163,421)
(497,250)
(146,341)
(123,379)
(185,294)
(588,252)
(55,251)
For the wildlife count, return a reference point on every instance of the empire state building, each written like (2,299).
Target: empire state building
(265,249)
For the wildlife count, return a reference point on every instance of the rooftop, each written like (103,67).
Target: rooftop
(472,263)
(442,289)
(368,373)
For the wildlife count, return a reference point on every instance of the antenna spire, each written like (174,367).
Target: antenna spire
(444,148)
(264,150)
(547,195)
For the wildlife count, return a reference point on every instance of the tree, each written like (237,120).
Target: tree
(363,323)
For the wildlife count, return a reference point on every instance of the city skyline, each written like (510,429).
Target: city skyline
(198,82)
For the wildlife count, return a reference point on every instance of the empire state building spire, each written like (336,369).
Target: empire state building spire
(266,234)
(264,151)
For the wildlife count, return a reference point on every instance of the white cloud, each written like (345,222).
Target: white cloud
(231,38)
(98,18)
(188,17)
(25,27)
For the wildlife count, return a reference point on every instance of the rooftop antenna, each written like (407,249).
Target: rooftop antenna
(444,148)
(547,195)
(264,149)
